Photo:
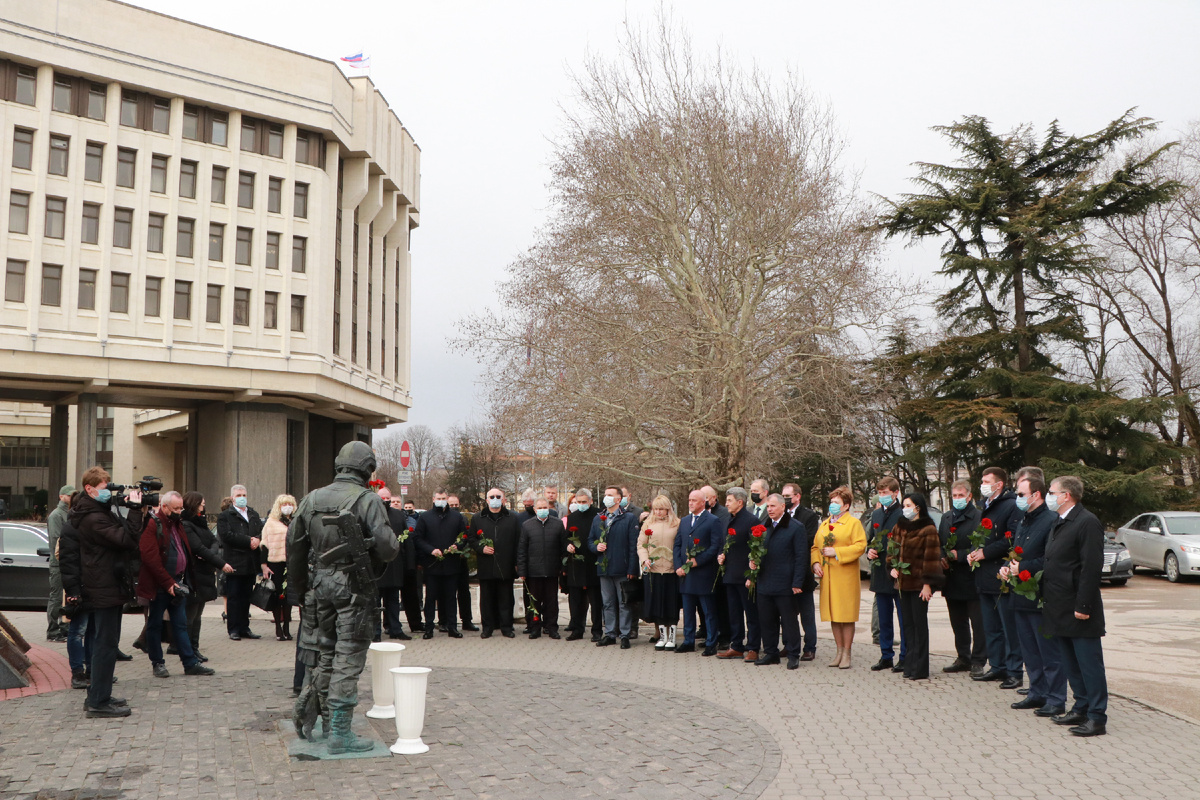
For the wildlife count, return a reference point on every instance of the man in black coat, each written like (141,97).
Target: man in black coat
(745,635)
(962,598)
(239,528)
(391,582)
(497,563)
(583,584)
(1073,611)
(1004,649)
(712,502)
(808,612)
(463,585)
(887,598)
(781,577)
(441,544)
(540,551)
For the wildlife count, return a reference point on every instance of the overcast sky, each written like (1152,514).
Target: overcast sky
(479,85)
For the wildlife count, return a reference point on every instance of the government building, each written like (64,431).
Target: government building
(205,250)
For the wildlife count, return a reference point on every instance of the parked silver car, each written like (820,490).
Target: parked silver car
(24,565)
(1168,541)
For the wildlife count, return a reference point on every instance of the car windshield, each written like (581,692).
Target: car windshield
(1184,526)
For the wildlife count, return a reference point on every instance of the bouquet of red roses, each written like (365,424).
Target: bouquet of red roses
(758,549)
(1027,584)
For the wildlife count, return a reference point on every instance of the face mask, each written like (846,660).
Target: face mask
(624,502)
(1052,502)
(885,500)
(240,502)
(542,513)
(791,501)
(609,502)
(287,510)
(986,489)
(755,498)
(494,503)
(909,514)
(175,516)
(1022,503)
(835,508)
(439,503)
(573,508)
(959,503)
(103,496)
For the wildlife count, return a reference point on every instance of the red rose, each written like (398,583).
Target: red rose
(758,530)
(695,541)
(1008,534)
(1019,551)
(987,524)
(603,517)
(536,619)
(1025,575)
(756,533)
(876,526)
(953,529)
(648,532)
(732,532)
(573,529)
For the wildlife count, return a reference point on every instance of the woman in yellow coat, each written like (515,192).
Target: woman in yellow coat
(836,549)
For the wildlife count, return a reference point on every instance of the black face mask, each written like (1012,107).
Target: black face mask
(791,501)
(175,517)
(755,498)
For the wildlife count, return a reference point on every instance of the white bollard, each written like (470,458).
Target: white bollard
(384,656)
(409,693)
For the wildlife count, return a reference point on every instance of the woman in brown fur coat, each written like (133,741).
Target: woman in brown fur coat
(918,571)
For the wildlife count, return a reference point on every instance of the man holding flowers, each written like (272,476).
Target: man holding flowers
(697,545)
(734,561)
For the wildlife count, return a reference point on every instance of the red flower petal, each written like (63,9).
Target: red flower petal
(1008,534)
(1025,575)
(987,524)
(695,541)
(876,524)
(1019,551)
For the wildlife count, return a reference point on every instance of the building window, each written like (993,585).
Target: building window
(310,149)
(60,149)
(212,312)
(205,125)
(183,299)
(123,228)
(275,195)
(97,100)
(118,301)
(26,88)
(272,250)
(22,148)
(140,110)
(56,217)
(14,281)
(300,204)
(275,141)
(129,109)
(158,173)
(185,235)
(126,167)
(51,285)
(61,99)
(299,254)
(245,244)
(262,137)
(216,241)
(298,313)
(18,212)
(90,230)
(87,289)
(93,162)
(249,134)
(155,233)
(270,310)
(187,179)
(160,115)
(218,184)
(153,296)
(241,306)
(245,190)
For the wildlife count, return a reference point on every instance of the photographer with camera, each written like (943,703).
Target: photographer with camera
(108,554)
(163,584)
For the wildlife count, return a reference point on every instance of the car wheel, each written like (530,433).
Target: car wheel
(1119,581)
(1171,567)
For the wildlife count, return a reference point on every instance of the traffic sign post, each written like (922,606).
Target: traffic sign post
(405,454)
(403,490)
(404,477)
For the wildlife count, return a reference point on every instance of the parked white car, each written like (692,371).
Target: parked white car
(1168,541)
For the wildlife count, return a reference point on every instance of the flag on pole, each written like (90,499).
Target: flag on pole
(358,60)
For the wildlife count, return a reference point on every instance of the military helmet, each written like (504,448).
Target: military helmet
(356,456)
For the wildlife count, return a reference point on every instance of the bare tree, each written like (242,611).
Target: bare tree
(684,313)
(478,459)
(427,454)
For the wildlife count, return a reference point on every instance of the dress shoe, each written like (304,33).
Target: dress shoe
(235,637)
(199,669)
(171,651)
(485,635)
(991,675)
(1070,718)
(976,671)
(793,662)
(1012,682)
(605,641)
(525,631)
(751,656)
(625,643)
(710,651)
(1023,692)
(470,626)
(730,653)
(808,655)
(958,665)
(685,648)
(596,637)
(442,627)
(1028,702)
(108,710)
(376,638)
(160,671)
(763,661)
(535,635)
(124,656)
(1089,728)
(249,634)
(554,635)
(58,638)
(1050,711)
(724,646)
(427,634)
(574,636)
(881,664)
(199,656)
(899,666)
(401,635)
(454,633)
(509,634)
(80,681)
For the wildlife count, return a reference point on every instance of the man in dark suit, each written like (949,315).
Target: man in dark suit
(441,545)
(697,545)
(745,636)
(1004,649)
(887,611)
(240,530)
(1073,611)
(712,502)
(759,489)
(781,577)
(792,496)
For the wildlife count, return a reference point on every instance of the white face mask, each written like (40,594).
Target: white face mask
(910,514)
(987,489)
(287,510)
(439,503)
(494,503)
(609,502)
(1052,501)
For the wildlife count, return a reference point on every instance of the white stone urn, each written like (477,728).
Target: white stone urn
(384,656)
(410,684)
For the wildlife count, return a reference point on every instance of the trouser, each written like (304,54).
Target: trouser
(195,615)
(237,606)
(596,602)
(1012,641)
(578,600)
(808,619)
(874,623)
(914,616)
(390,597)
(496,602)
(464,594)
(545,599)
(54,622)
(410,599)
(777,611)
(615,608)
(283,609)
(1043,660)
(724,618)
(440,594)
(177,609)
(966,620)
(744,631)
(301,668)
(81,634)
(885,603)
(107,622)
(344,634)
(708,609)
(999,654)
(1083,659)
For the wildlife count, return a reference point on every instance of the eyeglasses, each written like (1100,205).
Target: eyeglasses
(494,497)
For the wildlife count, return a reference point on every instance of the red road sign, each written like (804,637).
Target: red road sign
(405,454)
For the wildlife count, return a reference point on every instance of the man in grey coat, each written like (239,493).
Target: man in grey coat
(56,629)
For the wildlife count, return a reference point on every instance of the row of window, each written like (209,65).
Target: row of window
(185,232)
(118,298)
(86,98)
(93,170)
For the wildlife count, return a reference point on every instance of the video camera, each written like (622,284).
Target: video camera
(149,486)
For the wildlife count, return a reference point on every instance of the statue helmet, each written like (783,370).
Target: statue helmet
(357,457)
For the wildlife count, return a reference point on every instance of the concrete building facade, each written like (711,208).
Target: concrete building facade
(207,234)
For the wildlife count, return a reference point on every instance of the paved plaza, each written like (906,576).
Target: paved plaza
(556,719)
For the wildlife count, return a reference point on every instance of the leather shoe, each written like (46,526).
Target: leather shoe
(124,656)
(881,664)
(535,635)
(685,648)
(454,633)
(625,643)
(574,636)
(470,626)
(1089,728)
(958,665)
(751,656)
(249,634)
(428,634)
(509,634)
(198,669)
(1070,718)
(235,637)
(107,710)
(709,651)
(899,666)
(1023,692)
(605,641)
(1012,682)
(763,661)
(485,635)
(1050,711)
(1028,702)
(554,635)
(808,655)
(199,656)
(793,662)
(401,635)
(730,653)
(991,675)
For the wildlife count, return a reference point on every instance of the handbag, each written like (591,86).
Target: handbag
(631,591)
(264,596)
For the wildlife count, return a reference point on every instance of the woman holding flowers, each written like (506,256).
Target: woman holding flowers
(655,545)
(916,566)
(836,549)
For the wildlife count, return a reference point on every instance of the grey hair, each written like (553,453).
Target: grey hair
(585,493)
(779,497)
(737,493)
(528,496)
(233,489)
(762,481)
(167,497)
(1071,485)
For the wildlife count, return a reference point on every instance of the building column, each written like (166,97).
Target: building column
(85,432)
(60,421)
(191,461)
